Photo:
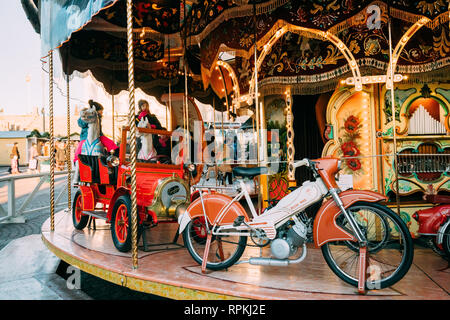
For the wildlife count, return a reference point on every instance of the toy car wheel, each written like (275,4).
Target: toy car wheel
(121,224)
(446,241)
(79,219)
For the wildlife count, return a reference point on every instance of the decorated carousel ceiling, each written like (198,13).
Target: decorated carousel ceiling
(91,35)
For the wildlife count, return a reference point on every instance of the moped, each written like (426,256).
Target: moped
(434,223)
(363,242)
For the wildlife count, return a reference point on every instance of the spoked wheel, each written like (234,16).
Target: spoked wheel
(446,241)
(389,248)
(367,227)
(224,251)
(121,224)
(79,219)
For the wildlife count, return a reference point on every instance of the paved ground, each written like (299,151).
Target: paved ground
(28,270)
(34,220)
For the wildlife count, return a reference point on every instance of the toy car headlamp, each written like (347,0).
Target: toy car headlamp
(113,161)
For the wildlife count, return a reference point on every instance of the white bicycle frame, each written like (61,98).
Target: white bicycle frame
(237,198)
(268,221)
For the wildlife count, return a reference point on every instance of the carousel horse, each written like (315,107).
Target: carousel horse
(92,145)
(147,150)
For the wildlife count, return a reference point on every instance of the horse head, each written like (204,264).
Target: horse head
(89,115)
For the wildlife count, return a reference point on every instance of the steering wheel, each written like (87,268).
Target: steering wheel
(162,158)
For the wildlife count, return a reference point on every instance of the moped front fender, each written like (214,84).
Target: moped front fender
(325,227)
(213,205)
(440,235)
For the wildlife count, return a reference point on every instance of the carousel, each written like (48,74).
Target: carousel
(366,83)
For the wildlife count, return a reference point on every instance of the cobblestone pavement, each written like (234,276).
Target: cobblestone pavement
(34,220)
(91,287)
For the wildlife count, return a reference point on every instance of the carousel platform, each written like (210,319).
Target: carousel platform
(169,271)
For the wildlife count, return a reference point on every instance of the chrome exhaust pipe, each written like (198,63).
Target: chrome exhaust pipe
(259,261)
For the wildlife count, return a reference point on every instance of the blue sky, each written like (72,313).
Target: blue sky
(19,57)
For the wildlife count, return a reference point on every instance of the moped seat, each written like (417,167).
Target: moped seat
(249,172)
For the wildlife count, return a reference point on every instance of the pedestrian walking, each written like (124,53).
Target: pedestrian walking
(33,156)
(60,156)
(15,156)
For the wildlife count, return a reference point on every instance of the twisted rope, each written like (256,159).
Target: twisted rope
(69,163)
(52,146)
(132,125)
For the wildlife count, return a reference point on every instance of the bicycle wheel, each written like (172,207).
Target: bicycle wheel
(366,226)
(390,248)
(446,241)
(224,250)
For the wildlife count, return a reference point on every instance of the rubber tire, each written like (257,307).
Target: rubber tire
(217,266)
(405,264)
(446,241)
(126,245)
(84,219)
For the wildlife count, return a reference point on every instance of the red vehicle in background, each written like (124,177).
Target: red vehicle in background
(434,223)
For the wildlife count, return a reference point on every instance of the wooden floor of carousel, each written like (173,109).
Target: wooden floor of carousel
(174,274)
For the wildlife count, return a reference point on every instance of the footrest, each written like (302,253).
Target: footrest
(238,221)
(96,214)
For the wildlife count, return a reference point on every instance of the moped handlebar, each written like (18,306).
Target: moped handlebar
(301,163)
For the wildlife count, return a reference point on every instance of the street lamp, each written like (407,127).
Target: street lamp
(43,119)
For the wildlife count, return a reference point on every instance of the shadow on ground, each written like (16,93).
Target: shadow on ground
(99,289)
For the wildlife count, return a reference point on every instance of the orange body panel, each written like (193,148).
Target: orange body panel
(214,203)
(85,172)
(327,168)
(325,227)
(88,198)
(103,172)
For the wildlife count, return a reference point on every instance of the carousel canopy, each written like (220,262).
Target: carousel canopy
(91,36)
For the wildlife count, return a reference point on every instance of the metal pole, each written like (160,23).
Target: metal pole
(52,145)
(397,196)
(225,90)
(132,124)
(113,117)
(258,138)
(68,160)
(188,135)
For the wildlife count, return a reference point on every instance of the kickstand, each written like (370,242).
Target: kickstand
(92,220)
(205,255)
(362,270)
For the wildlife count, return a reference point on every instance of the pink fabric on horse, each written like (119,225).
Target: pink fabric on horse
(106,142)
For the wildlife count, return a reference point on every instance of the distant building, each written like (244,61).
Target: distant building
(7,139)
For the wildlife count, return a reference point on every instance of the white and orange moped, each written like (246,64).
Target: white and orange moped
(364,242)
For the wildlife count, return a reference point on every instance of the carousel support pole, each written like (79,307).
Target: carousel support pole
(170,85)
(68,160)
(258,124)
(113,120)
(188,135)
(264,177)
(52,145)
(132,123)
(290,139)
(394,124)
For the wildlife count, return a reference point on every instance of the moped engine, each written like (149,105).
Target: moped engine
(289,239)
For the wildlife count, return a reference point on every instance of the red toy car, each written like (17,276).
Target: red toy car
(162,189)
